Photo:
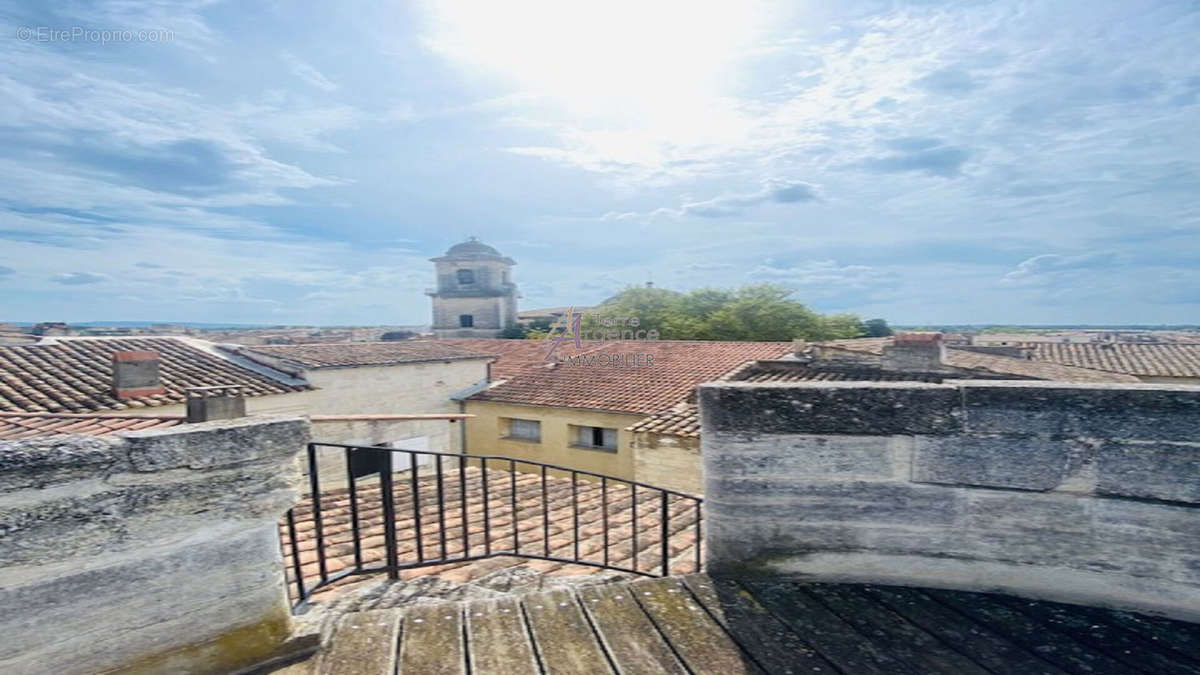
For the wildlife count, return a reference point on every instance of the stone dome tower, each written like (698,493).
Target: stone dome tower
(475,295)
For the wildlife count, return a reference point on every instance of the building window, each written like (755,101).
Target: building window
(525,430)
(466,277)
(466,321)
(600,438)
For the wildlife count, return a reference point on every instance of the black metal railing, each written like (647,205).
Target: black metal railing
(392,509)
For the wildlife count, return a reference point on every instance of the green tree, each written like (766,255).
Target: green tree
(397,335)
(756,312)
(876,328)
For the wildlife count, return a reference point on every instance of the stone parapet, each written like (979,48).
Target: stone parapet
(1073,492)
(155,551)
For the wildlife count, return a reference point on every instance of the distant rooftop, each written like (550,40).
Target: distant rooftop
(1146,359)
(75,374)
(992,363)
(677,367)
(355,354)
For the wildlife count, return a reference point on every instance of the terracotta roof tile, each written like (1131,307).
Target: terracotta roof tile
(512,356)
(352,354)
(992,363)
(1154,360)
(75,374)
(676,368)
(22,425)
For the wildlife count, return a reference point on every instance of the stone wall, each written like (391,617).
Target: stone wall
(155,551)
(1071,492)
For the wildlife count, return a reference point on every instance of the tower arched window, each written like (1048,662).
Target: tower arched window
(465,277)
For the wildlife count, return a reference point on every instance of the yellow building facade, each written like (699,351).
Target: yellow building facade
(572,437)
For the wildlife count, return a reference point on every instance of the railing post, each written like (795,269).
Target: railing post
(699,514)
(441,498)
(462,495)
(318,529)
(353,508)
(575,508)
(604,514)
(487,519)
(295,545)
(512,473)
(416,505)
(389,516)
(664,531)
(545,515)
(633,523)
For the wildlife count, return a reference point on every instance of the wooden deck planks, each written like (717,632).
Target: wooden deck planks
(699,640)
(893,632)
(632,641)
(768,640)
(496,638)
(1103,637)
(432,641)
(1053,646)
(985,646)
(698,625)
(365,644)
(564,639)
(835,639)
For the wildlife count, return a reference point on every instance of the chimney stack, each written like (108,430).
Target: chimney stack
(136,374)
(224,402)
(915,352)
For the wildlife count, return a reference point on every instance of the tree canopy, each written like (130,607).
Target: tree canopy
(755,312)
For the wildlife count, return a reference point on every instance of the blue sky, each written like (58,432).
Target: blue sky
(287,162)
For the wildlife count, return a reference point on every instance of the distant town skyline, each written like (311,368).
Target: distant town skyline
(928,163)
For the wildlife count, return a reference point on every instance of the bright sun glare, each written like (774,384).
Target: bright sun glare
(654,58)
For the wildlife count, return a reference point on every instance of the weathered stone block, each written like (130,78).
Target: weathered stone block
(107,613)
(802,455)
(1114,411)
(1150,471)
(782,501)
(876,408)
(153,552)
(1019,462)
(52,460)
(220,443)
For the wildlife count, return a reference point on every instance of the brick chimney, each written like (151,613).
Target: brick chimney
(136,374)
(915,352)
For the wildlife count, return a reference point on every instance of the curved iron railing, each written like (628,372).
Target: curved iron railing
(392,509)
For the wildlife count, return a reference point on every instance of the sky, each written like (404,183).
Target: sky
(300,162)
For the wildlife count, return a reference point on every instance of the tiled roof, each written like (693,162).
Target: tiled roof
(75,374)
(683,419)
(1041,370)
(512,356)
(1155,360)
(28,425)
(677,367)
(353,354)
(339,540)
(991,363)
